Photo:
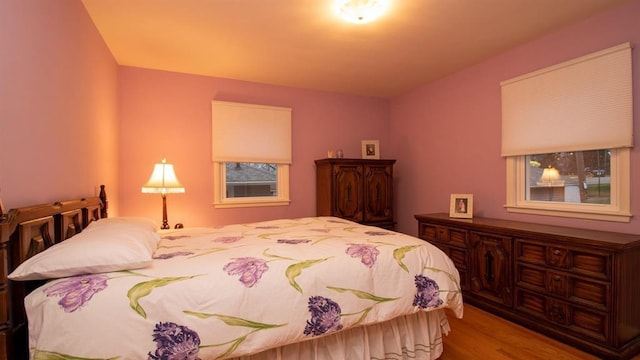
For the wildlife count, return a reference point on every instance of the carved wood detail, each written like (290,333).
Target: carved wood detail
(72,224)
(35,236)
(25,232)
(359,190)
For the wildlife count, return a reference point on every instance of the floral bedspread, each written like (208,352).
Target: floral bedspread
(214,293)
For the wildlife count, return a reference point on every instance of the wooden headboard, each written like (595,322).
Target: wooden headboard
(25,232)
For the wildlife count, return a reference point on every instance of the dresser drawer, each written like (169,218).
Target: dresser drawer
(458,254)
(450,236)
(428,232)
(542,281)
(596,264)
(577,319)
(578,290)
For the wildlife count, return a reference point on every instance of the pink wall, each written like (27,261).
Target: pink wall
(169,114)
(446,134)
(57,104)
(67,108)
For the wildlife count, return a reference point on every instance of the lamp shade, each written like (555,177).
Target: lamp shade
(550,177)
(163,180)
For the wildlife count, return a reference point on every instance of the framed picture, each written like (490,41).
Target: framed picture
(370,149)
(461,206)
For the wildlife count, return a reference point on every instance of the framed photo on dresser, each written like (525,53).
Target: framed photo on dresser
(461,206)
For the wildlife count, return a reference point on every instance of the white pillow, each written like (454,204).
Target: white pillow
(123,245)
(126,222)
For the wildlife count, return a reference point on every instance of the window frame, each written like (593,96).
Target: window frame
(220,193)
(618,210)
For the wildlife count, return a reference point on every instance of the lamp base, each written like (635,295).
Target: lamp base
(165,222)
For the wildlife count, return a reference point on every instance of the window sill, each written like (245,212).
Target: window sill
(250,203)
(578,214)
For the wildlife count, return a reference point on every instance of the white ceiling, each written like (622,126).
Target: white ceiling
(302,44)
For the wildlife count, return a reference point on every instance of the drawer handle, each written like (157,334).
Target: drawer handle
(556,252)
(488,262)
(557,278)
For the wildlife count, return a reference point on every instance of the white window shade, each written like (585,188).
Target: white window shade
(582,104)
(251,133)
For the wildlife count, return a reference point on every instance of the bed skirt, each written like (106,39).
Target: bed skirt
(416,336)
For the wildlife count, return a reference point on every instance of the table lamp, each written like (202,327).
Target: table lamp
(163,180)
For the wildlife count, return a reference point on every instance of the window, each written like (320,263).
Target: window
(553,119)
(251,154)
(582,184)
(251,180)
(251,184)
(577,177)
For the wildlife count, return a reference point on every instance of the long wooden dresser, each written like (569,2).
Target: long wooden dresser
(579,286)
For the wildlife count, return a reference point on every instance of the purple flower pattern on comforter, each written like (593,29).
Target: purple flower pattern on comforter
(325,316)
(209,290)
(250,269)
(76,291)
(174,341)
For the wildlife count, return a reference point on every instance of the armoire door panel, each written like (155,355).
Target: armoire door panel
(348,192)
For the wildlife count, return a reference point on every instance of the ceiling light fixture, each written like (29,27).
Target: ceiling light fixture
(361,11)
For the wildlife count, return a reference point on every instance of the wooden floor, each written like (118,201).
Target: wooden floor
(480,335)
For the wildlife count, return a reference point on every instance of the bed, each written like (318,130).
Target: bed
(312,288)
